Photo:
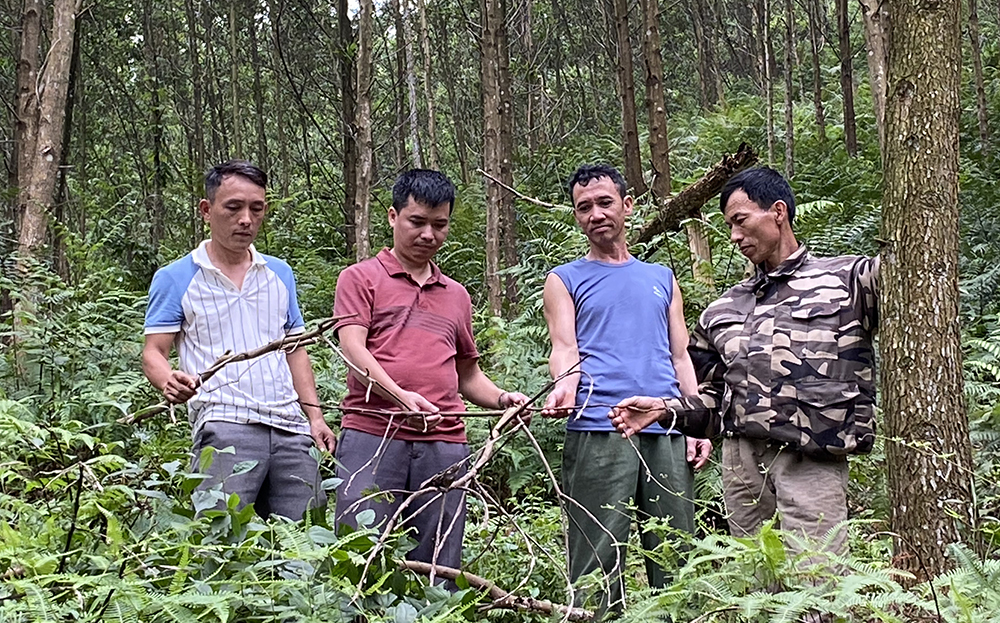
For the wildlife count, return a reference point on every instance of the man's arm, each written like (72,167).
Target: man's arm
(698,449)
(354,340)
(478,389)
(177,387)
(560,316)
(305,386)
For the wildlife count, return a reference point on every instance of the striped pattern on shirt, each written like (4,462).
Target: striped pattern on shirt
(210,316)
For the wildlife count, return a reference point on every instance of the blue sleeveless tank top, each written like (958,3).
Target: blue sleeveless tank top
(621,324)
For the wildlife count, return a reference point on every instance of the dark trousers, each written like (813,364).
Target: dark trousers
(603,474)
(285,480)
(399,469)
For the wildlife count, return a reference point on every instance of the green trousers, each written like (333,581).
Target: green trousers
(602,473)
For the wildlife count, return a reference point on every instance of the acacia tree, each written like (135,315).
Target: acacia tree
(363,122)
(847,77)
(626,86)
(929,454)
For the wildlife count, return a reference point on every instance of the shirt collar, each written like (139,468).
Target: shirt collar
(785,269)
(200,257)
(395,269)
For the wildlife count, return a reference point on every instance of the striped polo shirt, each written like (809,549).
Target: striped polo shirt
(211,316)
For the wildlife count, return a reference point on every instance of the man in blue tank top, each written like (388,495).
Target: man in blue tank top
(625,319)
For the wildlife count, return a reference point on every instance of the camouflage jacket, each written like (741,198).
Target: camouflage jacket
(787,356)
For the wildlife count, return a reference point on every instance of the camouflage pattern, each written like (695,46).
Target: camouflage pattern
(787,356)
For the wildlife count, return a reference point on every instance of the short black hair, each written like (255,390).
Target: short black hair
(243,168)
(588,172)
(763,186)
(426,186)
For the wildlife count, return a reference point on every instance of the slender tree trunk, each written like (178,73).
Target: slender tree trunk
(234,83)
(349,128)
(399,83)
(197,169)
(876,16)
(152,36)
(789,94)
(535,92)
(26,130)
(211,94)
(263,161)
(656,110)
(458,121)
(53,85)
(62,200)
(977,70)
(704,88)
(847,77)
(428,91)
(626,85)
(411,89)
(508,217)
(364,130)
(814,7)
(929,458)
(493,20)
(762,18)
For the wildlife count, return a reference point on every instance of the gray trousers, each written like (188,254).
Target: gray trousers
(285,481)
(603,474)
(400,468)
(760,478)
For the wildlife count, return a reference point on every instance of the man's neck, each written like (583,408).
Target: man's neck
(224,258)
(419,272)
(616,253)
(784,250)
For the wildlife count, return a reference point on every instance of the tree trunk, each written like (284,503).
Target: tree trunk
(814,7)
(26,130)
(428,91)
(349,128)
(626,85)
(234,78)
(847,78)
(211,94)
(258,92)
(458,121)
(53,85)
(364,131)
(399,88)
(152,37)
(704,88)
(977,70)
(62,200)
(411,88)
(789,94)
(508,217)
(659,145)
(196,170)
(701,250)
(762,19)
(929,458)
(493,21)
(876,18)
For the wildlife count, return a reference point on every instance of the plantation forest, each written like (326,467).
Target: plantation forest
(884,115)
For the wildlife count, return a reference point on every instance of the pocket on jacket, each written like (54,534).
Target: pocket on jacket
(825,415)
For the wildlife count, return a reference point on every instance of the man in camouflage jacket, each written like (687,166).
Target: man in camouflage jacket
(786,370)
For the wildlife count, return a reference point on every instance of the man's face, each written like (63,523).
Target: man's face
(755,231)
(235,214)
(600,211)
(419,230)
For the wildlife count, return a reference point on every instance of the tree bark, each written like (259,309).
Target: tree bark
(659,145)
(26,130)
(258,92)
(428,91)
(762,19)
(789,94)
(929,458)
(152,38)
(197,168)
(53,85)
(363,122)
(815,44)
(348,125)
(977,71)
(876,16)
(493,21)
(847,78)
(411,88)
(457,119)
(234,86)
(399,87)
(626,85)
(508,217)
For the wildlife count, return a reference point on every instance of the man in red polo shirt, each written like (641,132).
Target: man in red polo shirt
(412,332)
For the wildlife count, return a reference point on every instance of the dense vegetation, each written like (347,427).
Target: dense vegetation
(96,517)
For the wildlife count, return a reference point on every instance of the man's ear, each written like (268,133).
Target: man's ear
(204,206)
(780,210)
(628,203)
(393,215)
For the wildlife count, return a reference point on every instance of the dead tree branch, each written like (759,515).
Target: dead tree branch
(500,598)
(688,202)
(522,196)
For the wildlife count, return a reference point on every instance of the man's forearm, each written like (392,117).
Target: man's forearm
(304,382)
(695,416)
(560,361)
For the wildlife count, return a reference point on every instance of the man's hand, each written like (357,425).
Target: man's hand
(180,387)
(322,435)
(560,403)
(413,401)
(636,413)
(515,399)
(698,451)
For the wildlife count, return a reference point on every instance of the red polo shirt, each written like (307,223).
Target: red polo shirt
(416,333)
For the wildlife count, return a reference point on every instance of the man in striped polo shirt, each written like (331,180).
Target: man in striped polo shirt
(225,296)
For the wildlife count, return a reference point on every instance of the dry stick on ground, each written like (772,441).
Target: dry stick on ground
(287,344)
(500,598)
(688,202)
